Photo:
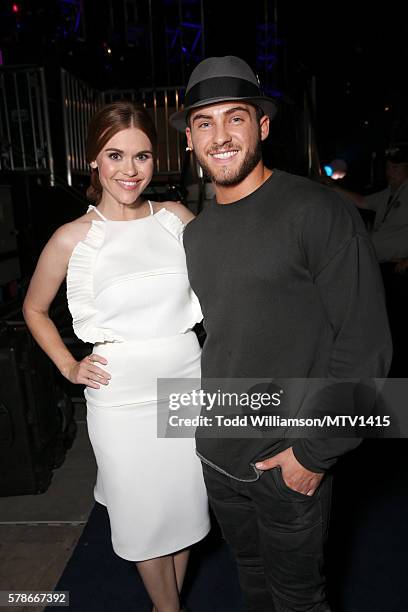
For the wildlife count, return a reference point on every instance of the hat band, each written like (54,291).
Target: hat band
(220,87)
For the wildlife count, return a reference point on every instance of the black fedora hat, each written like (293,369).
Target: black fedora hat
(220,79)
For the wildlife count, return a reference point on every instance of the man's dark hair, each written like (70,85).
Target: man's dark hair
(259,112)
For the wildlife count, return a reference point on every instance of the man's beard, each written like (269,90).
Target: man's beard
(229,178)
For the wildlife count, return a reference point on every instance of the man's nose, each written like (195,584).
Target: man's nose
(221,135)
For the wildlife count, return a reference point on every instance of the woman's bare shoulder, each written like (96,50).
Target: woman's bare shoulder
(69,234)
(182,212)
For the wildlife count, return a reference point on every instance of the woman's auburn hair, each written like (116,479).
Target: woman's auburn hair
(108,121)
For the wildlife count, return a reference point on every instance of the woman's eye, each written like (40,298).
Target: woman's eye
(142,157)
(114,156)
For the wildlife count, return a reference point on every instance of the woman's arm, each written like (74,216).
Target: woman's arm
(47,278)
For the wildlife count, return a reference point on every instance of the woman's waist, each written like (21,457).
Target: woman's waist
(136,341)
(136,367)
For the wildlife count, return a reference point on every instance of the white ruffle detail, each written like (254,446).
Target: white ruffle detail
(175,226)
(80,293)
(171,222)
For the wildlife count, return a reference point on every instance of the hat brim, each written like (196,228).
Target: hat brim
(179,120)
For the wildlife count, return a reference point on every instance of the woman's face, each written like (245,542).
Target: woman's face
(125,166)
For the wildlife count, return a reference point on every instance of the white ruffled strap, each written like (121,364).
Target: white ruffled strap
(91,207)
(80,294)
(171,223)
(176,227)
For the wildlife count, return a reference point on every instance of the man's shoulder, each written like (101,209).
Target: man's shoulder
(199,222)
(305,196)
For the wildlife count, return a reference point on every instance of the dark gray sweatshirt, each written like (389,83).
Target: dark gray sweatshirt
(289,287)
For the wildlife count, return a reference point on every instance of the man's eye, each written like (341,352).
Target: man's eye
(236,119)
(204,124)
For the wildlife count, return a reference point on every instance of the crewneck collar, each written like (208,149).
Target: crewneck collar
(249,197)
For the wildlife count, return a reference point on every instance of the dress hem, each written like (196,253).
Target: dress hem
(189,542)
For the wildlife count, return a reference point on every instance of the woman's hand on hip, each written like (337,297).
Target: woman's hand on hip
(85,372)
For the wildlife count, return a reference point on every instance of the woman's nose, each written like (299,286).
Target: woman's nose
(130,168)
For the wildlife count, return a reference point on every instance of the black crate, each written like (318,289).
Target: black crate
(37,423)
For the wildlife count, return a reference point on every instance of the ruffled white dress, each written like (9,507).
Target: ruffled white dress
(129,295)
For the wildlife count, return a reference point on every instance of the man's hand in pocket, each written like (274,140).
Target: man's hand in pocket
(294,474)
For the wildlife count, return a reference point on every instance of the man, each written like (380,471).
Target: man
(390,239)
(390,229)
(289,287)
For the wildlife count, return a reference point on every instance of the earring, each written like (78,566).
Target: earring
(93,165)
(189,149)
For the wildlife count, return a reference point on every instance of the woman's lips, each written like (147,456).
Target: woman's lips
(128,185)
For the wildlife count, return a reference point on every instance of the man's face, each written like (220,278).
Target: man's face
(396,173)
(226,139)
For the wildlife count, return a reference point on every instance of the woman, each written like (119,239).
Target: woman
(128,293)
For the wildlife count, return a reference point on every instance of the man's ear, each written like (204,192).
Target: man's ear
(188,136)
(264,127)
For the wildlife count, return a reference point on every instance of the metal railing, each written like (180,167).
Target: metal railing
(25,139)
(25,142)
(79,103)
(160,103)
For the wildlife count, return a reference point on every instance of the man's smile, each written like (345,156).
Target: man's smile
(224,155)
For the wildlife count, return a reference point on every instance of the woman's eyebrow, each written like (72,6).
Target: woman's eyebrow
(120,150)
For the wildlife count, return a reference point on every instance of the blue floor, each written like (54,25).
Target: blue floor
(367,561)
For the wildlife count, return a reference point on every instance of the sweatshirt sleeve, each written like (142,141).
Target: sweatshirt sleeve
(343,266)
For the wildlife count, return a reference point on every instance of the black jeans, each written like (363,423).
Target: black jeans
(277,536)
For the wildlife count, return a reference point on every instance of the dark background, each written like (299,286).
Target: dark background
(356,51)
(355,55)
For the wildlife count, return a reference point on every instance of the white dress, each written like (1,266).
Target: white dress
(129,295)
